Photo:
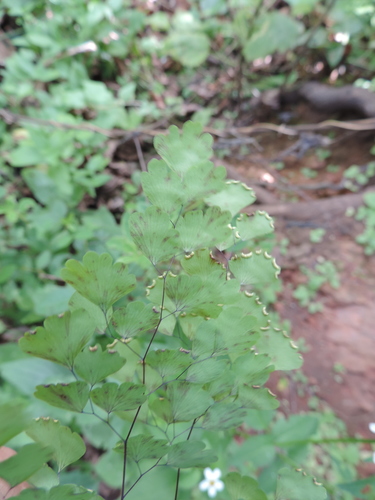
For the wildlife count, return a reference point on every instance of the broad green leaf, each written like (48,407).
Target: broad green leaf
(356,488)
(280,348)
(189,325)
(222,386)
(186,402)
(276,32)
(24,464)
(190,454)
(61,338)
(109,468)
(258,450)
(201,230)
(25,373)
(204,180)
(94,365)
(251,304)
(161,407)
(186,149)
(143,446)
(72,397)
(302,7)
(169,364)
(45,477)
(134,319)
(253,368)
(203,264)
(222,416)
(190,295)
(205,370)
(168,191)
(231,332)
(257,398)
(97,316)
(254,267)
(254,226)
(163,187)
(293,485)
(25,155)
(113,397)
(243,487)
(156,295)
(51,299)
(98,279)
(13,420)
(234,197)
(67,446)
(295,428)
(190,48)
(153,233)
(202,295)
(62,492)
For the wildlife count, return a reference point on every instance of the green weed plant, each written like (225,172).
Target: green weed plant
(171,374)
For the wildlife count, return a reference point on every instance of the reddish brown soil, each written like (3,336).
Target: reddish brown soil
(343,334)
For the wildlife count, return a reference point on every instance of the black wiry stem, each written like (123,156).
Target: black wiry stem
(179,470)
(123,493)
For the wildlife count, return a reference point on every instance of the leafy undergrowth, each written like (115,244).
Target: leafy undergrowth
(85,87)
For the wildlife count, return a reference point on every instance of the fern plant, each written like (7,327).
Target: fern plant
(170,375)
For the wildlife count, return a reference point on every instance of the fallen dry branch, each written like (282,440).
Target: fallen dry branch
(346,99)
(152,130)
(315,210)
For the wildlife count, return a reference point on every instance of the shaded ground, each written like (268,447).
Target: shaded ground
(340,339)
(343,333)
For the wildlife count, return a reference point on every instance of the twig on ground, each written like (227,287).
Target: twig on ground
(322,209)
(140,154)
(152,130)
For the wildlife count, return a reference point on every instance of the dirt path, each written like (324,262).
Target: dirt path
(340,360)
(341,338)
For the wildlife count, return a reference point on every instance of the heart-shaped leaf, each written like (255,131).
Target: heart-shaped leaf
(186,149)
(112,397)
(98,279)
(293,485)
(134,319)
(254,368)
(13,420)
(280,349)
(24,464)
(186,402)
(61,492)
(234,197)
(254,226)
(169,364)
(100,319)
(163,187)
(243,487)
(67,446)
(94,365)
(222,416)
(154,234)
(256,398)
(202,230)
(190,454)
(254,267)
(73,396)
(61,338)
(142,446)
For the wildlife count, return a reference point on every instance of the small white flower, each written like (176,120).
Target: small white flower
(211,482)
(372,427)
